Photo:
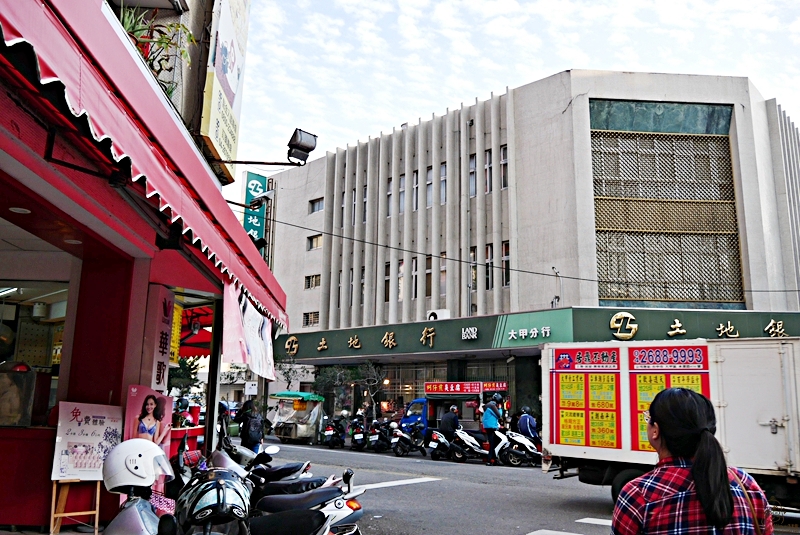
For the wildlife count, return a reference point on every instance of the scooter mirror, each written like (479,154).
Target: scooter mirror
(271,450)
(167,525)
(347,476)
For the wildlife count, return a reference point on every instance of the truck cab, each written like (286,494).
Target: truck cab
(416,411)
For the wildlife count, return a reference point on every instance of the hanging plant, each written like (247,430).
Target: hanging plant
(159,44)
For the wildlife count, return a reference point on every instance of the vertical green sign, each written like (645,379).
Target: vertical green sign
(254,219)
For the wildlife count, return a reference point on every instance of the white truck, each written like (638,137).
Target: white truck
(593,396)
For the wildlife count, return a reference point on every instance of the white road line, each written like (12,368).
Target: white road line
(551,532)
(598,521)
(399,482)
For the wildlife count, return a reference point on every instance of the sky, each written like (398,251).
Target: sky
(346,70)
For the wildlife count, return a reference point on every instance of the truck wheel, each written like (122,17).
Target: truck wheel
(629,474)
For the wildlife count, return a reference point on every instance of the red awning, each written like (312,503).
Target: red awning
(82,45)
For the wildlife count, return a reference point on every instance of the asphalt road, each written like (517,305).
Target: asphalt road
(466,498)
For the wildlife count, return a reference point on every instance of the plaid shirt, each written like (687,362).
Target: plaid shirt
(664,501)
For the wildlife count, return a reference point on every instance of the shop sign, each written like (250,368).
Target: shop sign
(158,335)
(85,435)
(533,328)
(177,324)
(469,333)
(495,386)
(254,219)
(453,388)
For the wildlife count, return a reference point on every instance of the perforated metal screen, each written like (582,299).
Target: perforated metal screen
(665,217)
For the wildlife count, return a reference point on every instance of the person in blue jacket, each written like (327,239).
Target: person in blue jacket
(491,421)
(527,423)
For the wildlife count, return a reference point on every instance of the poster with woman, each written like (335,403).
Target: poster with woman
(148,415)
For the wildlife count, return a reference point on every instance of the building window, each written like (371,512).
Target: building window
(487,171)
(364,211)
(314,242)
(443,274)
(504,166)
(414,278)
(400,281)
(386,271)
(443,183)
(489,267)
(472,186)
(343,201)
(473,268)
(339,291)
(316,205)
(428,264)
(415,191)
(350,304)
(353,215)
(506,264)
(363,273)
(429,187)
(389,199)
(402,193)
(310,319)
(312,281)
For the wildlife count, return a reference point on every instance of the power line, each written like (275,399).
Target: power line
(517,270)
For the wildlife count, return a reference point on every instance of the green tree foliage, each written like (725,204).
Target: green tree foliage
(288,369)
(184,377)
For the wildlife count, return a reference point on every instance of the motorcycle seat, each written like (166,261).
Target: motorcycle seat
(312,498)
(274,473)
(291,487)
(477,435)
(288,523)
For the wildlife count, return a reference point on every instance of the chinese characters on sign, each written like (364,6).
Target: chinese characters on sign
(453,388)
(388,340)
(291,346)
(728,331)
(655,368)
(323,344)
(354,343)
(531,333)
(775,329)
(677,328)
(587,359)
(427,335)
(495,386)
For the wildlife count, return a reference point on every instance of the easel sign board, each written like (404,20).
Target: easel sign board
(86,434)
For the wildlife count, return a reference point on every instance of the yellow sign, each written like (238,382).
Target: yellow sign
(571,390)
(647,386)
(572,427)
(602,391)
(299,405)
(219,126)
(175,344)
(690,382)
(603,429)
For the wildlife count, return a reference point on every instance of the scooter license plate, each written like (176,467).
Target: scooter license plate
(395,439)
(328,433)
(373,438)
(433,444)
(358,436)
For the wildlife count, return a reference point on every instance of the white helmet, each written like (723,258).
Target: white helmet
(135,463)
(393,425)
(345,413)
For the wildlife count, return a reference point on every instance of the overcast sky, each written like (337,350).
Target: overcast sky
(349,69)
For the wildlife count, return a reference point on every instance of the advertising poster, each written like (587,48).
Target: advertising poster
(654,369)
(586,397)
(85,435)
(148,415)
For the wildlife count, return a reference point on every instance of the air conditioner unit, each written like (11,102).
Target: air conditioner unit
(441,314)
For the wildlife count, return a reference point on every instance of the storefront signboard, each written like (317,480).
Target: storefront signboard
(495,386)
(585,383)
(473,387)
(85,435)
(158,337)
(177,324)
(533,328)
(254,219)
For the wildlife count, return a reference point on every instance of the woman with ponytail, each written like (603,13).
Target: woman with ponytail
(691,489)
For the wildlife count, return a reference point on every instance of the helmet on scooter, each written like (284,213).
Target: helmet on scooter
(216,496)
(526,410)
(497,398)
(135,463)
(345,413)
(393,425)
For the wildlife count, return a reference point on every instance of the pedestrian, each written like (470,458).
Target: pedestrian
(527,423)
(251,425)
(691,489)
(449,423)
(491,421)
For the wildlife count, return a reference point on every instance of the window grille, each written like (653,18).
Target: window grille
(310,319)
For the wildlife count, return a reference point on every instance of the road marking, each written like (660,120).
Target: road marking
(598,521)
(399,482)
(551,532)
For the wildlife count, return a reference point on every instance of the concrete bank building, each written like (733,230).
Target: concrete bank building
(567,209)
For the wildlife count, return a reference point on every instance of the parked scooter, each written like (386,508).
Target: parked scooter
(380,437)
(339,505)
(467,445)
(520,449)
(408,438)
(358,440)
(505,453)
(334,431)
(440,446)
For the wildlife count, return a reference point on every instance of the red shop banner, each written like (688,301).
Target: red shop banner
(495,386)
(454,388)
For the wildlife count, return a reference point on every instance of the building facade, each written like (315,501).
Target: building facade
(586,188)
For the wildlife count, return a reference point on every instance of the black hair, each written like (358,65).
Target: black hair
(158,410)
(687,423)
(248,406)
